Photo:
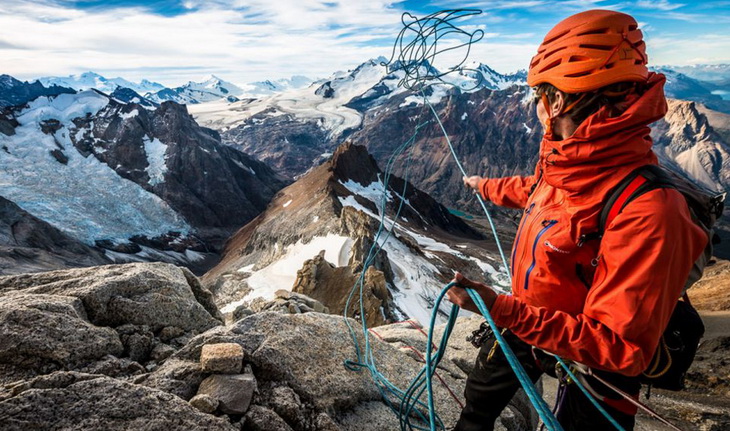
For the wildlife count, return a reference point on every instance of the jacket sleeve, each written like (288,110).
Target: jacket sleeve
(645,257)
(508,191)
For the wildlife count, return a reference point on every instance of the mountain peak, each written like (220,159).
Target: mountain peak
(354,162)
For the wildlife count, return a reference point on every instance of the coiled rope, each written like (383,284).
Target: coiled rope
(415,58)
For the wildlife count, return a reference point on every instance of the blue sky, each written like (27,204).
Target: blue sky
(246,40)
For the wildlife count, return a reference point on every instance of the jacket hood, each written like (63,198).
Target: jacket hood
(602,144)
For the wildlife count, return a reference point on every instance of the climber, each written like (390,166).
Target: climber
(605,302)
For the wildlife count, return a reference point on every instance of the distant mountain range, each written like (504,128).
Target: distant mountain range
(86,161)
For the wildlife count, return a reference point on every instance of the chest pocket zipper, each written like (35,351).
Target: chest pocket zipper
(547,224)
(519,232)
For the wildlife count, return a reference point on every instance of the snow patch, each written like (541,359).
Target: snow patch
(283,273)
(156,166)
(127,115)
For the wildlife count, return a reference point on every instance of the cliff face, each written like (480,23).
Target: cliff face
(687,142)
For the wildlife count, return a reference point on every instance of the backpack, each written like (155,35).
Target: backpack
(678,344)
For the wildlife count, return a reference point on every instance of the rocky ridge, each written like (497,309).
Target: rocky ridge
(140,346)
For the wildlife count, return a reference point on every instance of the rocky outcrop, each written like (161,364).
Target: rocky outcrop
(28,244)
(272,372)
(283,349)
(112,319)
(77,401)
(330,285)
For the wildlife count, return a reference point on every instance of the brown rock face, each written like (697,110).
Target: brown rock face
(224,358)
(331,285)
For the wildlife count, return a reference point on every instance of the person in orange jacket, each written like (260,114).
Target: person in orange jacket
(602,303)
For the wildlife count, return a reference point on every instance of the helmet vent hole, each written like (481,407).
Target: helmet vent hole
(638,61)
(556,37)
(633,27)
(609,66)
(551,65)
(578,75)
(595,31)
(576,58)
(598,47)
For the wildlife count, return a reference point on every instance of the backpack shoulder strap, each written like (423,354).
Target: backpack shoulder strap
(635,184)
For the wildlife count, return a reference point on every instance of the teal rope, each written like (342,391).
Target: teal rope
(410,404)
(589,395)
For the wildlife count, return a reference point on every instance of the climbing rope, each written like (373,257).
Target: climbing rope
(415,58)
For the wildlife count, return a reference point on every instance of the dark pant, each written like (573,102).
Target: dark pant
(492,384)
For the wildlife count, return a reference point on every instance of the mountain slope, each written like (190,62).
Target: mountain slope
(28,244)
(336,207)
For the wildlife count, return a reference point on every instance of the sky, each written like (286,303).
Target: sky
(172,42)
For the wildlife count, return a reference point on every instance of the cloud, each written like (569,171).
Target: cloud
(663,5)
(252,40)
(247,40)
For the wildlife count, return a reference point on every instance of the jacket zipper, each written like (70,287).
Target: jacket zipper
(519,232)
(547,224)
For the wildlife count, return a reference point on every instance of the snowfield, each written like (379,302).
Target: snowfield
(84,197)
(330,112)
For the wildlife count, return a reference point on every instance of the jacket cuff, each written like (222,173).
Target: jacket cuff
(504,310)
(483,188)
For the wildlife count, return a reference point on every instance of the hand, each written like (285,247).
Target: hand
(472,182)
(458,295)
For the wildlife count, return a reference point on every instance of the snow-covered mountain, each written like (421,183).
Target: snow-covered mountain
(686,141)
(130,178)
(717,73)
(303,126)
(714,94)
(268,87)
(316,233)
(89,80)
(14,92)
(209,89)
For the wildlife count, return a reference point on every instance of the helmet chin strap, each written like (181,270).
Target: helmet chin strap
(551,118)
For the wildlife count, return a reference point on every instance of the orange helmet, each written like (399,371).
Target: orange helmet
(590,50)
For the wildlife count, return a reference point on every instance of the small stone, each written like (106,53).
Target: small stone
(169,332)
(294,309)
(325,423)
(232,391)
(204,403)
(225,358)
(263,419)
(161,352)
(305,308)
(319,307)
(283,294)
(241,312)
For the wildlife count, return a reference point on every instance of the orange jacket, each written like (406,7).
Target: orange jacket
(601,303)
